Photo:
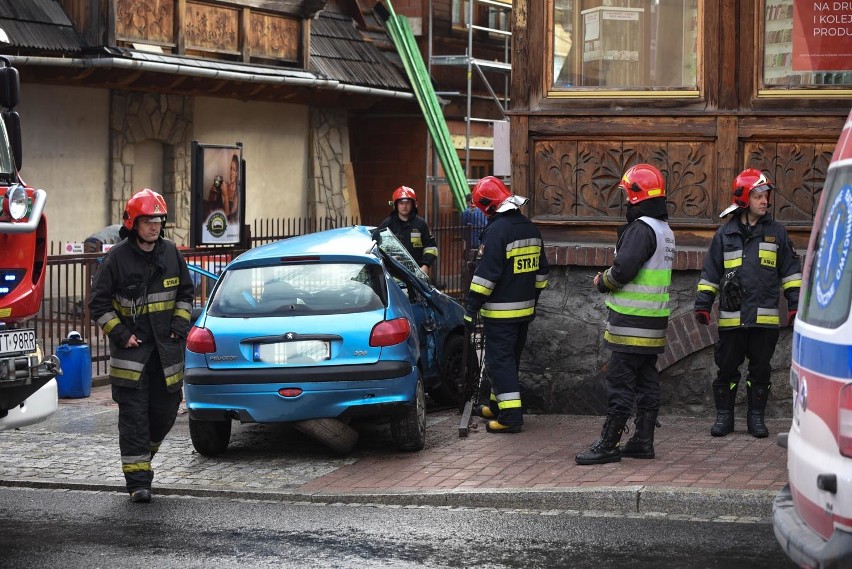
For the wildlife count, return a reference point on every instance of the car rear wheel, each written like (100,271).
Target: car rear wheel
(333,433)
(451,389)
(210,437)
(408,429)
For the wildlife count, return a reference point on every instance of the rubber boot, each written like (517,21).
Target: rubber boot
(606,448)
(725,396)
(641,444)
(757,396)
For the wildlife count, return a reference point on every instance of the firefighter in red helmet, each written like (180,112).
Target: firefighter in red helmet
(637,298)
(511,273)
(411,229)
(141,297)
(751,260)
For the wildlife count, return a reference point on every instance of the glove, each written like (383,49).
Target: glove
(791,317)
(702,317)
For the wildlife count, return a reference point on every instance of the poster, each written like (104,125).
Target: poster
(822,36)
(218,194)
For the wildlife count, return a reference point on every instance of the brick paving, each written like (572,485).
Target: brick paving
(78,447)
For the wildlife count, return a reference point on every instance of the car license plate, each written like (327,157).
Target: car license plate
(17,342)
(299,352)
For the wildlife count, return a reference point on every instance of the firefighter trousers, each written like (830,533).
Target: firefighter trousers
(145,416)
(504,342)
(632,378)
(734,346)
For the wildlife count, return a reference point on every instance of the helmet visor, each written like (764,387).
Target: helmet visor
(761,188)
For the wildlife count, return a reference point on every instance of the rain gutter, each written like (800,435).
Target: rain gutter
(303,79)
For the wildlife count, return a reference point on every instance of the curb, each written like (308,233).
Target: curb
(699,503)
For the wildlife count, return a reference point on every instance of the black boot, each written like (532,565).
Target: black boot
(757,396)
(641,445)
(606,448)
(725,397)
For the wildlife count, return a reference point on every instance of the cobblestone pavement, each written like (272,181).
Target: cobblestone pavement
(693,474)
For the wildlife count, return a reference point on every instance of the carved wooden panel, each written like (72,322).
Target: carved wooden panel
(212,28)
(798,170)
(579,179)
(274,37)
(147,20)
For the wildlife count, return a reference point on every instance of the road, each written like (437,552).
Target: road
(90,529)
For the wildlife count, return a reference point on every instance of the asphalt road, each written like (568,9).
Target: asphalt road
(90,529)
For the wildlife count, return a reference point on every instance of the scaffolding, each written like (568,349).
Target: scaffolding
(497,14)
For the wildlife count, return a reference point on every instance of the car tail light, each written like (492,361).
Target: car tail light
(390,332)
(200,341)
(844,420)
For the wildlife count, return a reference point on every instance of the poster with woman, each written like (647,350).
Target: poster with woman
(218,193)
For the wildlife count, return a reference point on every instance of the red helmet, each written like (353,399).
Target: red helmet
(642,182)
(146,203)
(489,193)
(404,193)
(746,182)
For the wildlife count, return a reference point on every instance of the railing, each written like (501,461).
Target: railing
(69,276)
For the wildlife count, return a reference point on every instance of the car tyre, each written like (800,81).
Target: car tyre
(333,433)
(408,428)
(451,390)
(210,437)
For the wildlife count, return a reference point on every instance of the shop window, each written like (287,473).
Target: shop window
(806,44)
(644,46)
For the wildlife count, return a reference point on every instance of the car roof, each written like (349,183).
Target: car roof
(341,243)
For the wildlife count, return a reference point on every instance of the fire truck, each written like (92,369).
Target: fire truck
(28,391)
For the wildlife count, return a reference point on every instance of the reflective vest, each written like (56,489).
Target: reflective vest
(639,310)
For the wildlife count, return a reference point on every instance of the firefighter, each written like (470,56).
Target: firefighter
(411,229)
(750,261)
(506,284)
(141,298)
(637,289)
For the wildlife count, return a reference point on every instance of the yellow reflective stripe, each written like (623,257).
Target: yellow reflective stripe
(148,308)
(136,467)
(174,378)
(540,284)
(480,289)
(185,314)
(431,251)
(729,322)
(125,373)
(792,284)
(634,340)
(768,320)
(112,323)
(707,288)
(507,313)
(510,404)
(731,263)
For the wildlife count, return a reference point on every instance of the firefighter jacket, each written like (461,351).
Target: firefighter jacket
(512,270)
(415,236)
(751,267)
(148,294)
(637,287)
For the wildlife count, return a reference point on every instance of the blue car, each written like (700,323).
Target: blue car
(317,330)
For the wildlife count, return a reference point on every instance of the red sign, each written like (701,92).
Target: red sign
(822,35)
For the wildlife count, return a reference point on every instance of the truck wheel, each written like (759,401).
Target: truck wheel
(210,437)
(333,433)
(408,428)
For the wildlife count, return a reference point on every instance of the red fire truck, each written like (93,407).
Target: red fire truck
(27,385)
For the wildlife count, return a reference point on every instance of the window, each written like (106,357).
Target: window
(488,15)
(807,44)
(625,45)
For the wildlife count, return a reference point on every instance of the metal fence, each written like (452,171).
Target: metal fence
(64,308)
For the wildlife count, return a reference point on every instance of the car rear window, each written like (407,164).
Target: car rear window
(826,302)
(300,289)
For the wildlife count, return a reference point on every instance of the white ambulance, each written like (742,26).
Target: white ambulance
(812,515)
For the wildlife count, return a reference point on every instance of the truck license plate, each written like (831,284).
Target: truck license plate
(17,342)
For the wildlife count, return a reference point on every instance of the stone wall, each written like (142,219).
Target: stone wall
(562,369)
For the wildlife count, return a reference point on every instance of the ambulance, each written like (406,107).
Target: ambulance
(812,515)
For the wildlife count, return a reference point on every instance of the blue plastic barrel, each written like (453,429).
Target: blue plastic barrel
(75,357)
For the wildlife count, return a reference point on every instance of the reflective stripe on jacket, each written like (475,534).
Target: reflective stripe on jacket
(638,283)
(415,236)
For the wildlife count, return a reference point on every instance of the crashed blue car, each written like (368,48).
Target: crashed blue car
(320,329)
